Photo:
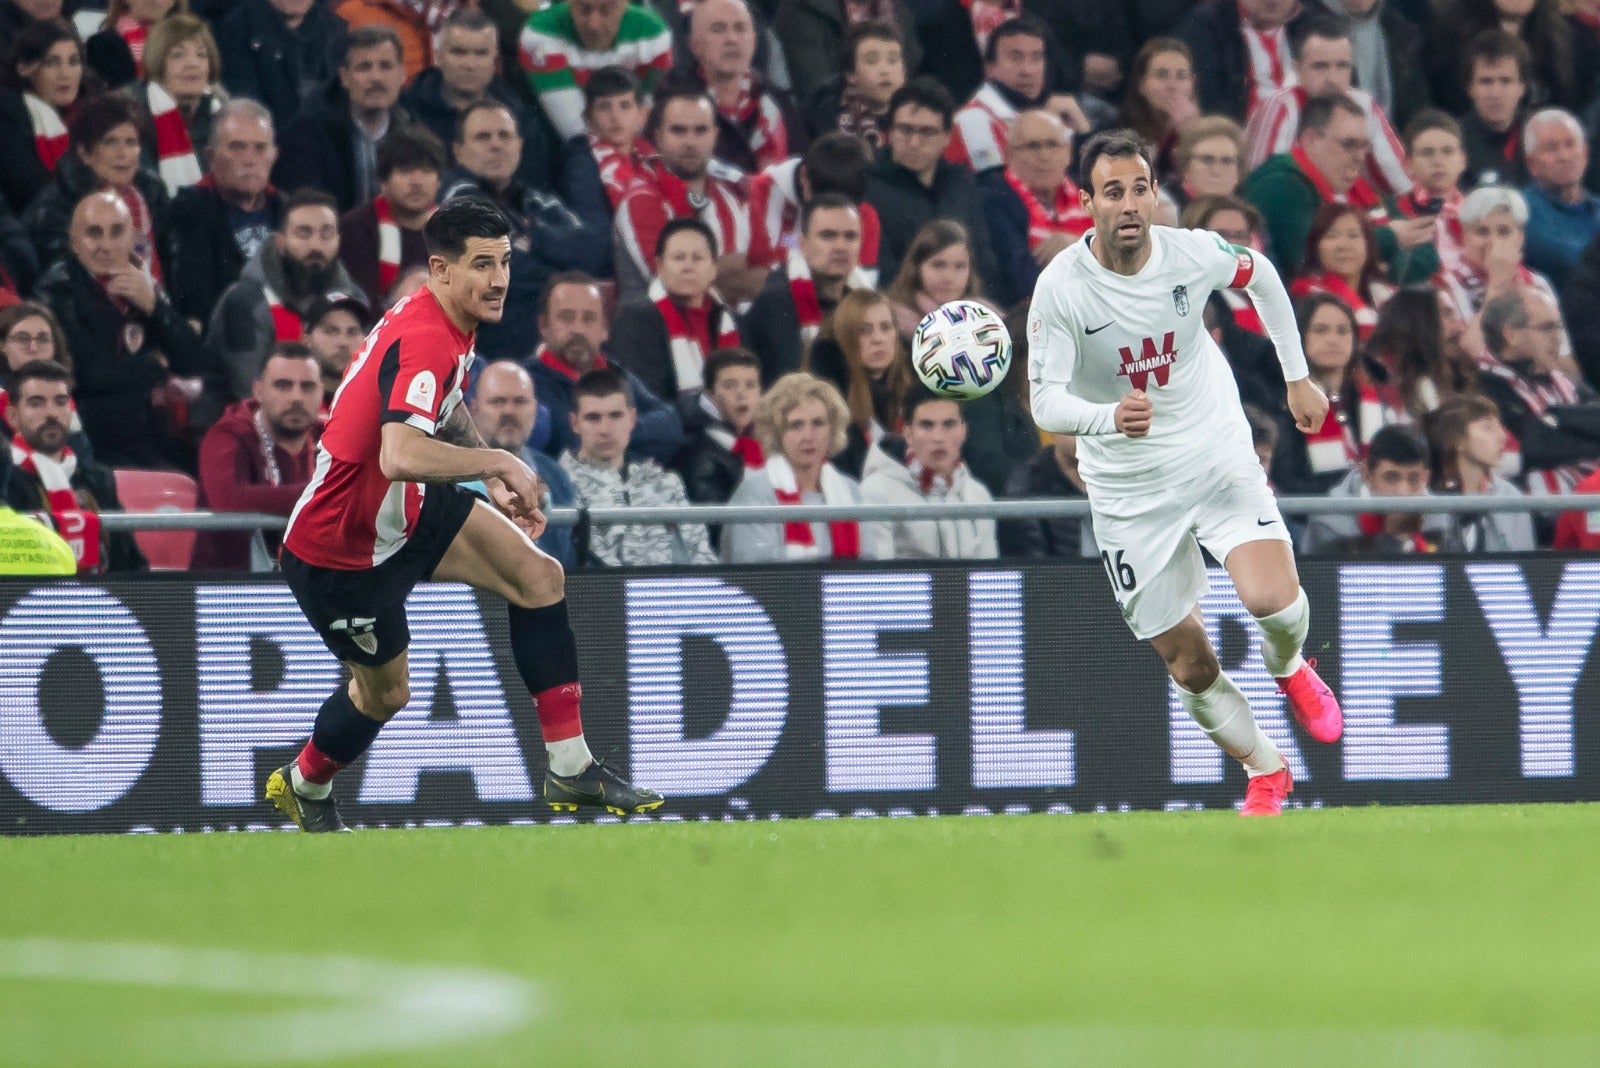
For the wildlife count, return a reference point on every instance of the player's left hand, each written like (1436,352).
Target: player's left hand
(1308,404)
(528,518)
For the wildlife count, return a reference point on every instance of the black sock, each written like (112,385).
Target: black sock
(341,731)
(544,647)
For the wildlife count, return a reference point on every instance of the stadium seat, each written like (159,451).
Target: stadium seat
(160,491)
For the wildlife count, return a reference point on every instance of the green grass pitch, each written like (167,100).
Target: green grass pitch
(1357,937)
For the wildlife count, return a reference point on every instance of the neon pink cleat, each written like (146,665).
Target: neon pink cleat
(1315,707)
(1266,793)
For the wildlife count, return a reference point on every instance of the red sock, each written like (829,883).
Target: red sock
(316,766)
(560,717)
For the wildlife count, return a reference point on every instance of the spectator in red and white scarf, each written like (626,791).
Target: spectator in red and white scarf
(117,52)
(757,123)
(600,165)
(1030,205)
(801,423)
(1342,259)
(105,154)
(719,428)
(382,239)
(43,81)
(873,68)
(665,336)
(258,458)
(1436,161)
(835,163)
(181,97)
(46,478)
(797,300)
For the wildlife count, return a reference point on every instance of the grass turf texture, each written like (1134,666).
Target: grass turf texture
(1371,937)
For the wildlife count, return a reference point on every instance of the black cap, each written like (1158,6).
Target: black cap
(355,303)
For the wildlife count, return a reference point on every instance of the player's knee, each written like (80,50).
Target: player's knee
(1268,601)
(538,581)
(383,701)
(1193,669)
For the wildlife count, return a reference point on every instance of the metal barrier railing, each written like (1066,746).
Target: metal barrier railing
(1035,508)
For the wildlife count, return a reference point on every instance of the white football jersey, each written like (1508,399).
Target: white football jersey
(1102,335)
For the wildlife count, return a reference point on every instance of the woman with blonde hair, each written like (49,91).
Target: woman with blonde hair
(117,52)
(863,355)
(181,95)
(937,269)
(800,422)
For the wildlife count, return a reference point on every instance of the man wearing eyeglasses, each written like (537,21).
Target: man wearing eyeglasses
(1325,167)
(913,184)
(1031,207)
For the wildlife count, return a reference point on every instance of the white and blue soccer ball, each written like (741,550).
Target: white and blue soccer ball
(961,350)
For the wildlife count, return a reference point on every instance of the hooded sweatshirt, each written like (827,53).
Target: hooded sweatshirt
(888,478)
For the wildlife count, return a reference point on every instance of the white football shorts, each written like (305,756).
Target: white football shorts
(1150,543)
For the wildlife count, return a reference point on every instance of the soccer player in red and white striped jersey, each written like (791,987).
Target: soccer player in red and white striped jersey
(383,512)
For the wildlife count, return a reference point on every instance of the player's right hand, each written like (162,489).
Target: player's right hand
(1133,414)
(523,487)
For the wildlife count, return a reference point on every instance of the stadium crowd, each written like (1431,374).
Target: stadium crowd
(729,218)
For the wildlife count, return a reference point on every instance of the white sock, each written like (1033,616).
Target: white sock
(1284,635)
(569,756)
(1224,714)
(316,791)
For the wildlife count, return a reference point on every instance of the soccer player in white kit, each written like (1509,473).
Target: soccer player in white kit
(1119,356)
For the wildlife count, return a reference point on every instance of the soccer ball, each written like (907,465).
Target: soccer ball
(961,350)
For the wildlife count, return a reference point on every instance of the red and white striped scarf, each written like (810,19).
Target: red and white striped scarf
(1361,195)
(50,139)
(1244,311)
(432,13)
(987,15)
(133,33)
(1326,282)
(78,525)
(1269,70)
(390,244)
(175,155)
(144,229)
(741,443)
(1067,216)
(619,169)
(1336,445)
(803,290)
(286,324)
(1539,394)
(799,542)
(758,115)
(688,353)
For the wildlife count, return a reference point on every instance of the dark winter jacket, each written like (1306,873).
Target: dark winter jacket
(905,205)
(25,493)
(50,215)
(1580,307)
(1000,436)
(710,470)
(198,126)
(22,173)
(812,32)
(1042,476)
(203,259)
(658,434)
(318,150)
(266,61)
(639,342)
(358,251)
(1215,38)
(771,327)
(424,100)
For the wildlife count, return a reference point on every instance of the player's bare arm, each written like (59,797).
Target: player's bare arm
(460,430)
(409,455)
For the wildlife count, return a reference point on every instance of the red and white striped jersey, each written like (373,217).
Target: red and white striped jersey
(1273,125)
(982,128)
(775,213)
(659,195)
(412,369)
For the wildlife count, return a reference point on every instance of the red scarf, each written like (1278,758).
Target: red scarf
(50,138)
(286,324)
(432,13)
(1068,216)
(1265,72)
(756,113)
(562,367)
(1538,394)
(78,525)
(134,32)
(689,346)
(987,15)
(807,308)
(175,154)
(1372,525)
(144,230)
(618,169)
(1327,282)
(389,244)
(1361,195)
(1338,446)
(798,540)
(1244,311)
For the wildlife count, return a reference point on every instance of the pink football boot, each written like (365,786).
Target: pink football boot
(1315,707)
(1266,793)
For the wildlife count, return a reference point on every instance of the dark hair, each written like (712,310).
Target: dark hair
(722,359)
(1322,24)
(600,382)
(679,225)
(95,117)
(1409,341)
(837,163)
(924,92)
(410,147)
(1492,46)
(610,80)
(1546,32)
(1306,308)
(469,19)
(44,371)
(936,235)
(372,35)
(674,89)
(916,396)
(1263,428)
(13,314)
(1429,119)
(1318,112)
(1499,314)
(32,44)
(1398,445)
(306,197)
(1138,114)
(1446,426)
(1324,220)
(825,202)
(1117,144)
(865,31)
(447,230)
(288,350)
(488,103)
(1021,26)
(564,278)
(1199,212)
